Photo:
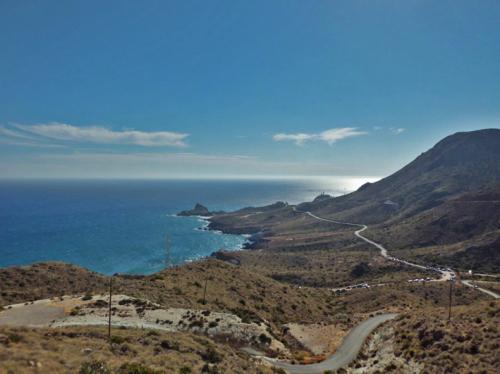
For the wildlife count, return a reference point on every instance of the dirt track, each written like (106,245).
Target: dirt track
(38,314)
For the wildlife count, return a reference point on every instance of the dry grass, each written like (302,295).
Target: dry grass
(44,280)
(489,285)
(405,297)
(418,342)
(264,286)
(67,350)
(469,343)
(331,266)
(231,288)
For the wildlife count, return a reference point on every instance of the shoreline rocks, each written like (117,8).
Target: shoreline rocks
(198,210)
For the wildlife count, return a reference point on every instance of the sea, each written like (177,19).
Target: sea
(131,226)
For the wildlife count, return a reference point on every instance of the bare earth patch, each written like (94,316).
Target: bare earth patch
(319,339)
(32,315)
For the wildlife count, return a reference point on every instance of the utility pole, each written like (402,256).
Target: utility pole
(168,251)
(205,292)
(449,304)
(109,307)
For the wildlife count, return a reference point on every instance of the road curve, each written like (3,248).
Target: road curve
(446,275)
(345,354)
(488,292)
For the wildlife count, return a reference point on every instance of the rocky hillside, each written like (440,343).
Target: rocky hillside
(229,288)
(45,280)
(460,163)
(455,220)
(446,202)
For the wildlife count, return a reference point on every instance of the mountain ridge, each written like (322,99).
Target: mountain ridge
(460,163)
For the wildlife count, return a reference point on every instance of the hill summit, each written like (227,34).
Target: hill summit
(460,163)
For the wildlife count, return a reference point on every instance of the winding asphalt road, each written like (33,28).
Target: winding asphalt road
(344,355)
(446,274)
(491,293)
(353,342)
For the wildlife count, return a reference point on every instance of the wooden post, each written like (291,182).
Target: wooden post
(205,292)
(168,252)
(109,307)
(449,303)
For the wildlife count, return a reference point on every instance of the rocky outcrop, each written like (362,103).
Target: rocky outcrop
(198,210)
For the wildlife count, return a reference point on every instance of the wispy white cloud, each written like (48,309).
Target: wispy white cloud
(298,139)
(102,135)
(8,133)
(21,143)
(398,130)
(61,133)
(333,135)
(329,136)
(14,137)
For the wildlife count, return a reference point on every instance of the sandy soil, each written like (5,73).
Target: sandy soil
(318,338)
(35,315)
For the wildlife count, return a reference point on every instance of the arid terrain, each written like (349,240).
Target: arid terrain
(299,289)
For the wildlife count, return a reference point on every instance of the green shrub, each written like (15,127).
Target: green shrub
(15,338)
(75,311)
(207,369)
(94,367)
(197,323)
(167,344)
(247,316)
(117,339)
(135,368)
(264,339)
(178,291)
(282,371)
(211,356)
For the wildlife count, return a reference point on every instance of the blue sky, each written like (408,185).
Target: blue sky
(235,88)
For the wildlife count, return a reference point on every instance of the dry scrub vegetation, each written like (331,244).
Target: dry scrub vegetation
(262,287)
(233,289)
(429,343)
(44,280)
(469,343)
(132,351)
(327,267)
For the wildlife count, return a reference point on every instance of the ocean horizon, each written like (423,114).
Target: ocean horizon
(121,226)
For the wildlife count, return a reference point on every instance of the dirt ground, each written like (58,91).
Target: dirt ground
(33,315)
(319,339)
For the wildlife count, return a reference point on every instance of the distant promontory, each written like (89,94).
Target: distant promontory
(198,210)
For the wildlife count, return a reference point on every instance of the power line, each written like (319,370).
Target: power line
(449,303)
(109,307)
